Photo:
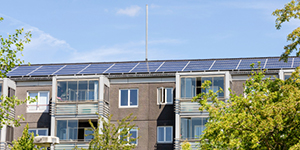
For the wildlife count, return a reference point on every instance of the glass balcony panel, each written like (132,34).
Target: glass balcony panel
(62,91)
(61,129)
(82,90)
(72,90)
(87,108)
(66,109)
(189,106)
(93,90)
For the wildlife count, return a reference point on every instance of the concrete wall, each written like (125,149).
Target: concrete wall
(149,114)
(36,119)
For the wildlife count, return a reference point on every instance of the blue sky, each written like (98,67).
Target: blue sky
(101,31)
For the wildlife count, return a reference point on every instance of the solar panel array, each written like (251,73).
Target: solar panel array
(152,66)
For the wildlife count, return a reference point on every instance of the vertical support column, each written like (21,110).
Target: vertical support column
(227,84)
(177,115)
(3,143)
(281,74)
(54,90)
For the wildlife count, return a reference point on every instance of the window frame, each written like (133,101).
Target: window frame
(38,110)
(197,86)
(128,104)
(164,95)
(165,135)
(37,129)
(137,135)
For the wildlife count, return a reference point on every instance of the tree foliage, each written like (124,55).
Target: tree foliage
(186,146)
(110,136)
(25,142)
(267,116)
(290,11)
(10,46)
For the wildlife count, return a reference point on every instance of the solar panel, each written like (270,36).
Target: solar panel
(22,70)
(121,68)
(71,69)
(225,64)
(245,63)
(296,62)
(198,65)
(95,68)
(275,63)
(171,66)
(142,67)
(46,70)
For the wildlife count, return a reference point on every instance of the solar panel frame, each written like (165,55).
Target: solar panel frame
(71,69)
(22,70)
(46,70)
(275,63)
(142,67)
(172,66)
(296,62)
(96,68)
(121,68)
(225,64)
(245,63)
(199,65)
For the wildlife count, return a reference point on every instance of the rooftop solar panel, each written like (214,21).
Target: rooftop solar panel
(46,70)
(121,68)
(22,70)
(95,68)
(296,62)
(198,65)
(225,64)
(171,66)
(275,63)
(142,67)
(245,63)
(71,69)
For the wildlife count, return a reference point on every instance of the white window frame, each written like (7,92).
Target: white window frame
(165,135)
(37,129)
(129,106)
(37,110)
(163,96)
(137,135)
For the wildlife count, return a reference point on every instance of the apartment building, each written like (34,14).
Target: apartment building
(158,93)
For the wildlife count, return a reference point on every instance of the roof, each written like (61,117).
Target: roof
(156,66)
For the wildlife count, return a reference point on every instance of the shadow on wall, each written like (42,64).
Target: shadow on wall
(166,118)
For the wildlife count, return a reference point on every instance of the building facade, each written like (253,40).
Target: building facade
(158,93)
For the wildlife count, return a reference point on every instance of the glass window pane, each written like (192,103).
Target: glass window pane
(32,131)
(72,90)
(169,134)
(207,79)
(184,128)
(61,91)
(133,97)
(93,90)
(169,95)
(87,134)
(195,122)
(32,106)
(183,95)
(160,134)
(124,97)
(0,89)
(82,90)
(217,84)
(286,76)
(159,95)
(61,131)
(72,128)
(190,87)
(133,135)
(43,101)
(42,132)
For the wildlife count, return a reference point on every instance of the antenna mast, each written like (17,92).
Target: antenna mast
(147,37)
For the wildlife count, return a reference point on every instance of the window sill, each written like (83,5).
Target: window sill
(128,106)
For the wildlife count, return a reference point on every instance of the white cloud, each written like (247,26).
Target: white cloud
(130,11)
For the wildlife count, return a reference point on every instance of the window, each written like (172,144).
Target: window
(75,130)
(192,128)
(42,103)
(40,132)
(128,98)
(190,87)
(9,134)
(0,89)
(86,90)
(164,95)
(165,134)
(134,135)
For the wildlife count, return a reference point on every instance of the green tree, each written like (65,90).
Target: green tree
(25,142)
(10,46)
(267,116)
(186,146)
(290,11)
(110,136)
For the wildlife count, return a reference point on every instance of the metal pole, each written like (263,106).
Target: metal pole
(146,32)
